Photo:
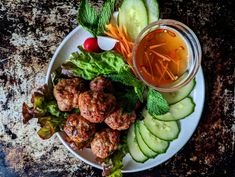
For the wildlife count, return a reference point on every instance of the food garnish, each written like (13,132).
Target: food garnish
(89,65)
(124,45)
(156,104)
(92,20)
(97,100)
(91,45)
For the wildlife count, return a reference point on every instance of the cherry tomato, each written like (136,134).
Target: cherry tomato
(91,45)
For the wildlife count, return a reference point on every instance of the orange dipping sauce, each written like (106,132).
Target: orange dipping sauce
(162,57)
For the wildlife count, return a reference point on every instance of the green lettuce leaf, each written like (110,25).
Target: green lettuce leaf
(46,110)
(89,65)
(49,125)
(156,104)
(127,100)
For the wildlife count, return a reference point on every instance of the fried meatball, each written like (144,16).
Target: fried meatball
(100,83)
(95,106)
(67,91)
(105,142)
(118,120)
(78,129)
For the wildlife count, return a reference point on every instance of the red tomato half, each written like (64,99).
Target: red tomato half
(91,45)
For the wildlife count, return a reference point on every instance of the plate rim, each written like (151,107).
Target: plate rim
(47,81)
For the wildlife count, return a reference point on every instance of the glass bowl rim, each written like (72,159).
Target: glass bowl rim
(197,59)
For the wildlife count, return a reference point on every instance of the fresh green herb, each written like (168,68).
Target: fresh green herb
(76,110)
(56,76)
(88,17)
(89,65)
(46,110)
(93,21)
(105,15)
(127,78)
(128,100)
(53,109)
(49,125)
(156,104)
(112,165)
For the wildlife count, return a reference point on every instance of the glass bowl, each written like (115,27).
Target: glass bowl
(194,53)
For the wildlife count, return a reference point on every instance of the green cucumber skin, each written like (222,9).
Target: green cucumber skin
(143,151)
(159,152)
(170,102)
(146,8)
(122,22)
(150,16)
(194,105)
(169,140)
(139,161)
(165,139)
(173,118)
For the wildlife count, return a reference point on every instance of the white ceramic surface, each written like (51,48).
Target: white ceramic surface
(188,125)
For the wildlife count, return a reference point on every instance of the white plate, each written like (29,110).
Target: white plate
(188,125)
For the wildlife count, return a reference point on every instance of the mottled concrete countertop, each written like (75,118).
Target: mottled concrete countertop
(30,31)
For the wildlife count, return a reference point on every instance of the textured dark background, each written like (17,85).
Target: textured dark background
(30,31)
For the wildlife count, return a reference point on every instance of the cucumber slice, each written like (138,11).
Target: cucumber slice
(174,97)
(142,145)
(164,130)
(183,108)
(152,9)
(134,149)
(154,143)
(133,16)
(178,110)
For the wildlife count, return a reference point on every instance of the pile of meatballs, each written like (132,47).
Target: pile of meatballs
(98,106)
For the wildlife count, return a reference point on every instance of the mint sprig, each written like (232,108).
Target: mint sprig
(92,20)
(156,104)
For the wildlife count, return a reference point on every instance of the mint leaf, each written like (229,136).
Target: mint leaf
(105,15)
(127,78)
(156,104)
(93,21)
(88,17)
(127,99)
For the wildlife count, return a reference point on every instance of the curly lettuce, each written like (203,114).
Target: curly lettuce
(89,65)
(46,110)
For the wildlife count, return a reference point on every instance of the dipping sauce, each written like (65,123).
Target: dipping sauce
(162,56)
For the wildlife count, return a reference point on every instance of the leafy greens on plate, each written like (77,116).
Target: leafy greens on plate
(92,20)
(110,64)
(153,116)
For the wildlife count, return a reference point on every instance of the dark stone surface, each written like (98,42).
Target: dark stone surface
(30,30)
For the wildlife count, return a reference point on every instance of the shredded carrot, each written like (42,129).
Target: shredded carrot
(159,69)
(165,69)
(125,45)
(162,56)
(170,74)
(157,45)
(151,68)
(145,70)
